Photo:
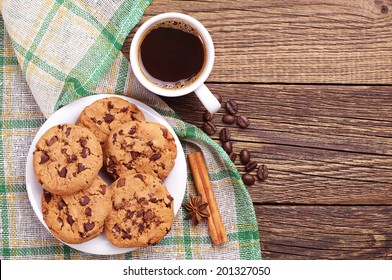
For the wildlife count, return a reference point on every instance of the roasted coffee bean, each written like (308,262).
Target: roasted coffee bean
(225,135)
(231,107)
(233,156)
(248,179)
(209,128)
(243,121)
(244,156)
(250,166)
(218,97)
(262,172)
(228,147)
(228,119)
(207,116)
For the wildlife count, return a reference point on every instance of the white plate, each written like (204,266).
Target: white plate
(175,182)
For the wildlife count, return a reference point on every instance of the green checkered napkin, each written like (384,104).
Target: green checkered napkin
(55,51)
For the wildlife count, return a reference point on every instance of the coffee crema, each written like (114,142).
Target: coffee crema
(172,54)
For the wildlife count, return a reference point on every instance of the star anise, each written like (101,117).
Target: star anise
(197,210)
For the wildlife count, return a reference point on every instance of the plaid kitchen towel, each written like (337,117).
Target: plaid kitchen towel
(55,51)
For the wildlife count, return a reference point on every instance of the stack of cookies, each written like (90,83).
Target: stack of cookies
(77,205)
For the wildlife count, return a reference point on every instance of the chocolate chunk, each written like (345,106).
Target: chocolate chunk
(233,156)
(140,177)
(129,214)
(51,141)
(108,118)
(60,221)
(47,196)
(126,235)
(262,172)
(148,216)
(225,135)
(121,132)
(81,167)
(248,179)
(71,158)
(110,105)
(63,172)
(61,204)
(141,199)
(70,220)
(88,211)
(135,154)
(231,107)
(243,121)
(84,200)
(384,9)
(154,200)
(68,131)
(116,228)
(139,213)
(114,138)
(99,122)
(164,132)
(121,183)
(127,165)
(209,128)
(64,151)
(83,142)
(89,226)
(85,152)
(229,119)
(44,158)
(155,157)
(228,147)
(102,189)
(123,110)
(250,166)
(207,116)
(119,206)
(150,143)
(170,197)
(132,130)
(244,156)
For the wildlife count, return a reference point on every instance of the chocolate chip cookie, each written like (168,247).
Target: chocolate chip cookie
(67,159)
(140,147)
(104,115)
(142,211)
(78,217)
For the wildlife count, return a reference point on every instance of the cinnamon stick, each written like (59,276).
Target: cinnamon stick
(204,188)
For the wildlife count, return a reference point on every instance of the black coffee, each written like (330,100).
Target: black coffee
(172,54)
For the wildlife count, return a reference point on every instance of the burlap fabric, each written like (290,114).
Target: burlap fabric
(55,51)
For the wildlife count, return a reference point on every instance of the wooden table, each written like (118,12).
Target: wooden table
(315,79)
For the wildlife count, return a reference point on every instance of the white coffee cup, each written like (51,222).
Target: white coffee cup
(203,93)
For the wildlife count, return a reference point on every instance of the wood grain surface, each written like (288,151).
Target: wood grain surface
(321,41)
(315,80)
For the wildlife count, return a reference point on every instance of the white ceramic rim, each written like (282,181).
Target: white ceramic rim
(176,181)
(209,48)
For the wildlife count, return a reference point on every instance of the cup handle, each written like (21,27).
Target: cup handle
(208,99)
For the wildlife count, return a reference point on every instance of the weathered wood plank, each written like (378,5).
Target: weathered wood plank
(321,41)
(322,144)
(325,232)
(349,118)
